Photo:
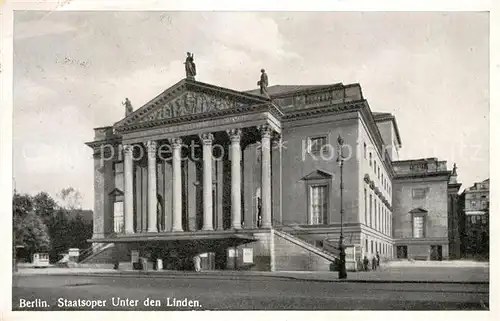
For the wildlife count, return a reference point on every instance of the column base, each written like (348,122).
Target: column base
(207,228)
(153,231)
(177,230)
(129,232)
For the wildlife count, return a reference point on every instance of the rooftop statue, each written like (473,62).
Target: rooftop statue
(454,173)
(190,66)
(263,83)
(128,107)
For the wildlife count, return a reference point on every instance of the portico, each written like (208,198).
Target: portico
(182,171)
(196,166)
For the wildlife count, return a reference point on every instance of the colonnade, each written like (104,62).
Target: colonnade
(207,139)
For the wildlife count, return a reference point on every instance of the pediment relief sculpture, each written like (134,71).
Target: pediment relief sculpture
(190,103)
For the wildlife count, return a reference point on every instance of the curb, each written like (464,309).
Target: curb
(250,277)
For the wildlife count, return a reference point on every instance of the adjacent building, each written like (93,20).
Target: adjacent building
(425,200)
(476,220)
(252,181)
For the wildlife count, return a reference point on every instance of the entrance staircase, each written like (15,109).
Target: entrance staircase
(306,245)
(294,252)
(97,253)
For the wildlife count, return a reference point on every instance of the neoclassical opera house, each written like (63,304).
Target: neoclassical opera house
(251,181)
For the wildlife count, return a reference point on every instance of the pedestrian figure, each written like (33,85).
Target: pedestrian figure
(374,263)
(365,263)
(378,260)
(197,263)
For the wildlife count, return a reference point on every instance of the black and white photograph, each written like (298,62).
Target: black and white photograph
(219,160)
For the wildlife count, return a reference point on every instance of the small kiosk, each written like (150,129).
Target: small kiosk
(41,260)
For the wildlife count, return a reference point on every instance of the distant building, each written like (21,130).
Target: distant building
(425,207)
(477,203)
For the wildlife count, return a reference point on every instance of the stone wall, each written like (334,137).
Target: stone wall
(297,164)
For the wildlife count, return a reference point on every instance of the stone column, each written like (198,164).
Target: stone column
(177,185)
(276,177)
(128,187)
(235,135)
(152,195)
(266,131)
(207,139)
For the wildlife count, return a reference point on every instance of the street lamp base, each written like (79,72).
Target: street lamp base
(342,269)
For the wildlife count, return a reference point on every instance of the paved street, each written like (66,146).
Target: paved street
(246,293)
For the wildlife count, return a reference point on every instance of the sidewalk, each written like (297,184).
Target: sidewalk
(463,275)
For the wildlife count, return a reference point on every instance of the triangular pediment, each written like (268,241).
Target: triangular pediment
(317,174)
(418,210)
(116,192)
(186,98)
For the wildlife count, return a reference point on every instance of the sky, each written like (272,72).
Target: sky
(72,70)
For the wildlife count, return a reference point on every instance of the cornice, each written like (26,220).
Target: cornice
(114,141)
(325,108)
(423,175)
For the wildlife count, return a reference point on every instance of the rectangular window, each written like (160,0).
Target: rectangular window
(319,204)
(364,150)
(419,193)
(371,211)
(418,226)
(370,159)
(366,209)
(119,224)
(371,244)
(383,221)
(118,172)
(317,144)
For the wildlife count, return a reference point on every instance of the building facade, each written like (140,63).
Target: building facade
(425,201)
(251,181)
(476,220)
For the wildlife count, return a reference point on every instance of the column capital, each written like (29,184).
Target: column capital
(128,149)
(265,131)
(206,138)
(176,142)
(234,134)
(277,141)
(151,146)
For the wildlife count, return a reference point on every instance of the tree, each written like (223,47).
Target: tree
(22,204)
(44,206)
(71,198)
(29,229)
(31,232)
(60,234)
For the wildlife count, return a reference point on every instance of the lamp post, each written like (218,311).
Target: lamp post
(340,159)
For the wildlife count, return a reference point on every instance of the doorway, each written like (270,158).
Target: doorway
(436,253)
(402,252)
